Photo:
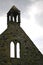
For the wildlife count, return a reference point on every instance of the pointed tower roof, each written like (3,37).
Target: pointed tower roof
(14,9)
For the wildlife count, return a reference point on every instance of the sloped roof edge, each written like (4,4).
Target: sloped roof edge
(14,8)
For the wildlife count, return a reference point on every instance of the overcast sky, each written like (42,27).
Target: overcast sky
(31,18)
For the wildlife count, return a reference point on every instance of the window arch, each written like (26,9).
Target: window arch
(13,19)
(9,18)
(12,50)
(17,18)
(18,50)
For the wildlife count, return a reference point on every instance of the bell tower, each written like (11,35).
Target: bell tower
(13,16)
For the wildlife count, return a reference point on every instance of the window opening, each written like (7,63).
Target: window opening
(13,19)
(17,18)
(18,50)
(12,50)
(9,18)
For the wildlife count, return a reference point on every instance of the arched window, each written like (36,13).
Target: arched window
(9,18)
(13,19)
(17,18)
(18,50)
(12,50)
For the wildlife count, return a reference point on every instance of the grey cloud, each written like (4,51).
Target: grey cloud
(39,43)
(5,5)
(39,19)
(39,15)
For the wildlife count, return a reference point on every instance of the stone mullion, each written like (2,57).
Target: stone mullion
(19,18)
(15,50)
(7,18)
